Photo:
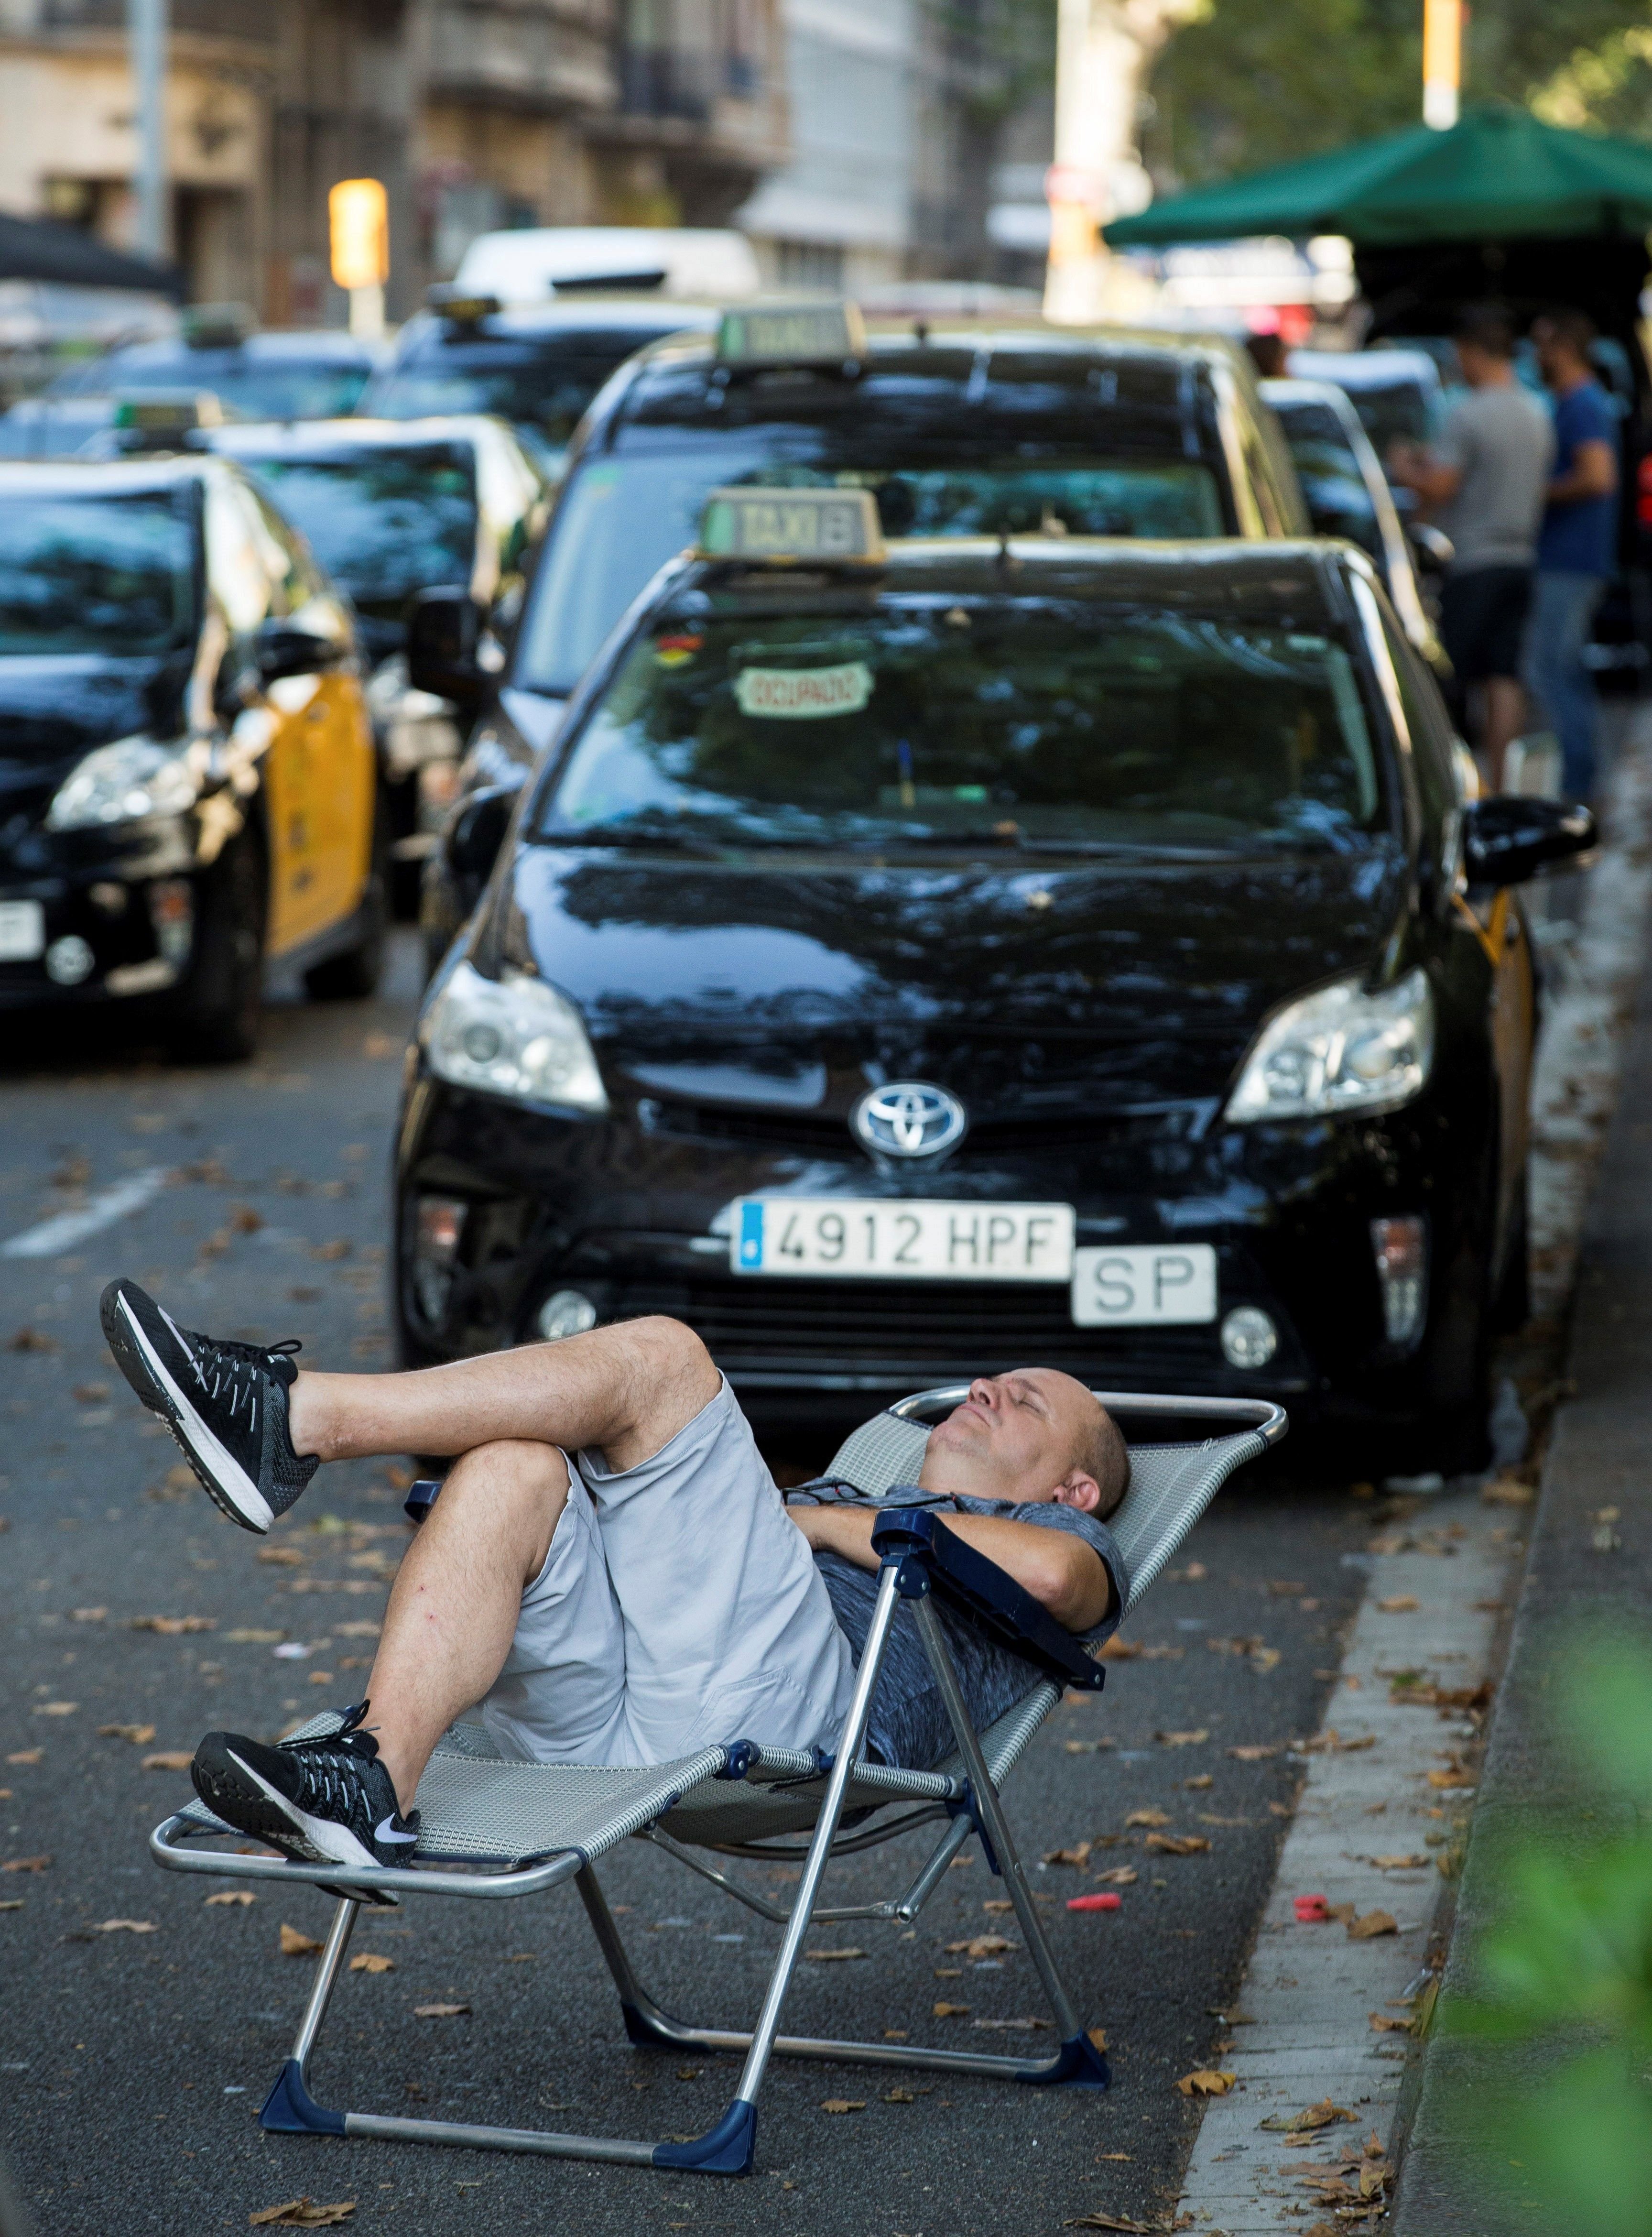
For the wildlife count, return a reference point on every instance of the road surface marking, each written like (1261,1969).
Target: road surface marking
(51,1237)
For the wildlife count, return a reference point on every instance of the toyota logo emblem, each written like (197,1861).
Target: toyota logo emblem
(909,1118)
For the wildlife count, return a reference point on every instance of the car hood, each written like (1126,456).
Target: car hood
(55,708)
(1105,985)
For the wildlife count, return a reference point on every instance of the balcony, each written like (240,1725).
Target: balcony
(247,22)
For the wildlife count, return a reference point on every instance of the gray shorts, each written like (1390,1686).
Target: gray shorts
(678,1606)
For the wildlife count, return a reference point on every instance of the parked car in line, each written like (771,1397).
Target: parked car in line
(314,374)
(528,264)
(391,508)
(1016,433)
(186,769)
(1397,392)
(537,366)
(913,961)
(1347,493)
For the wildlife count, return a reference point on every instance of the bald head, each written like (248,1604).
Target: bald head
(1032,1434)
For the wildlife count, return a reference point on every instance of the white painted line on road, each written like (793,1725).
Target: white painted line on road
(65,1229)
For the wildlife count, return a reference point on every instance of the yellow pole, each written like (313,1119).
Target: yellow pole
(1442,62)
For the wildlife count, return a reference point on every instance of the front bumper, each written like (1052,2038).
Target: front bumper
(119,912)
(632,1211)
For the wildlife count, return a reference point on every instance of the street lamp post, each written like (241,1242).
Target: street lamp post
(1442,62)
(146,23)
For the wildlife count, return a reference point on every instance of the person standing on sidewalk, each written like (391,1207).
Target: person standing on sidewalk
(1488,472)
(1577,547)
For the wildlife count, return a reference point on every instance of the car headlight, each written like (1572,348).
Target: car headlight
(118,783)
(1340,1049)
(514,1036)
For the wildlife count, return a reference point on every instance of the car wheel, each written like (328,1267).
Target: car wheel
(1452,1430)
(222,1003)
(354,973)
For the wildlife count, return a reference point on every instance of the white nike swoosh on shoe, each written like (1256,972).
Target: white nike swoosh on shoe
(330,1842)
(249,1503)
(384,1831)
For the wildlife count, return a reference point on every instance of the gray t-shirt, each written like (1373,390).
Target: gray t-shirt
(1502,442)
(909,1724)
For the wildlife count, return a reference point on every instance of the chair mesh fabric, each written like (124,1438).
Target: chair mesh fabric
(1170,1484)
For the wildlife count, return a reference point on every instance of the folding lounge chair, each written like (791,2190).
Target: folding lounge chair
(491,1829)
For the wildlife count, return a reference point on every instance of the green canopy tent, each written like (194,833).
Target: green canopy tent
(1500,205)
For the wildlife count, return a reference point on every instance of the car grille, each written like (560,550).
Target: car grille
(827,1134)
(905,1333)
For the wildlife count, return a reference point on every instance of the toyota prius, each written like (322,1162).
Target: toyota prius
(914,961)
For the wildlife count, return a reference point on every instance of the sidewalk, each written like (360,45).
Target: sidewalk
(1581,1567)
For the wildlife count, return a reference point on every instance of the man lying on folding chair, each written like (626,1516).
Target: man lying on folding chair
(611,1572)
(661,1648)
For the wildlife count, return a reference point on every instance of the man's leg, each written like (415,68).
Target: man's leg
(1563,607)
(1506,711)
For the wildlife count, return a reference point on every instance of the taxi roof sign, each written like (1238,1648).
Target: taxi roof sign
(164,415)
(793,527)
(460,306)
(791,333)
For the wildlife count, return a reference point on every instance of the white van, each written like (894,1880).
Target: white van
(694,265)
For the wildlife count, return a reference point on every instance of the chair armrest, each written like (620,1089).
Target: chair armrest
(917,1537)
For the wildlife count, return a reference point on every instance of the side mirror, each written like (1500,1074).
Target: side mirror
(1433,548)
(444,639)
(282,649)
(475,834)
(1508,839)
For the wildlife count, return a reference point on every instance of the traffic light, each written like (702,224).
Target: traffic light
(358,226)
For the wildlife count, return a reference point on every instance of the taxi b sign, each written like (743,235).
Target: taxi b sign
(830,527)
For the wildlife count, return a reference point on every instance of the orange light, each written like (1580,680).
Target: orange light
(358,226)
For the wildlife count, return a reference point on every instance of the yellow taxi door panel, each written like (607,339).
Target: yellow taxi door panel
(343,786)
(298,906)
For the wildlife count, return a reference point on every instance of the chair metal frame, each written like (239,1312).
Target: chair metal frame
(921,1563)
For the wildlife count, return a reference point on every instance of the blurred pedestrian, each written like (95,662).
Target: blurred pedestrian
(1268,355)
(1578,549)
(1487,475)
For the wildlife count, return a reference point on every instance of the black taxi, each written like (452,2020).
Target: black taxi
(915,960)
(187,778)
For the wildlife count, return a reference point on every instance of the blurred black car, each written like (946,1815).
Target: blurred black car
(970,434)
(314,374)
(1047,951)
(537,366)
(187,777)
(392,508)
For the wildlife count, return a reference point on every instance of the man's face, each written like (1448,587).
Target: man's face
(1015,1436)
(1477,364)
(1557,361)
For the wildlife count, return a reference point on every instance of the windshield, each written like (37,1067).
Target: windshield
(1388,409)
(383,522)
(111,575)
(248,387)
(1338,501)
(985,724)
(621,520)
(537,383)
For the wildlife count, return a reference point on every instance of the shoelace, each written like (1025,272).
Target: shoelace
(225,1367)
(327,1776)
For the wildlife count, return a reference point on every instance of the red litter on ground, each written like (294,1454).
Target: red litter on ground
(1311,1910)
(1094,1902)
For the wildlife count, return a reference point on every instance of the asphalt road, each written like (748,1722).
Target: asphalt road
(134,2062)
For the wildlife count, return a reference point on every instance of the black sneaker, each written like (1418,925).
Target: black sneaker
(225,1403)
(327,1799)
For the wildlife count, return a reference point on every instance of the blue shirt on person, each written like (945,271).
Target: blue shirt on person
(1580,536)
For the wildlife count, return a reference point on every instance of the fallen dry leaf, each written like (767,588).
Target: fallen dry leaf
(1332,1743)
(244,1637)
(295,1945)
(25,1755)
(1197,1785)
(1399,1603)
(139,1735)
(1120,1876)
(1000,2024)
(899,2097)
(945,2011)
(998,1902)
(169,1760)
(1205,2082)
(833,1956)
(439,2011)
(282,1557)
(1119,2221)
(1149,1818)
(843,2104)
(12,1903)
(1507,1491)
(1385,2023)
(126,1926)
(371,1962)
(1078,1854)
(26,1865)
(1312,2118)
(88,1615)
(338,1248)
(1373,1923)
(1177,1844)
(1182,1739)
(28,1339)
(982,1945)
(1446,1781)
(303,2214)
(1252,1754)
(56,1708)
(91,1393)
(1097,2037)
(1118,1650)
(1283,1589)
(1398,1863)
(169,1627)
(228,1896)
